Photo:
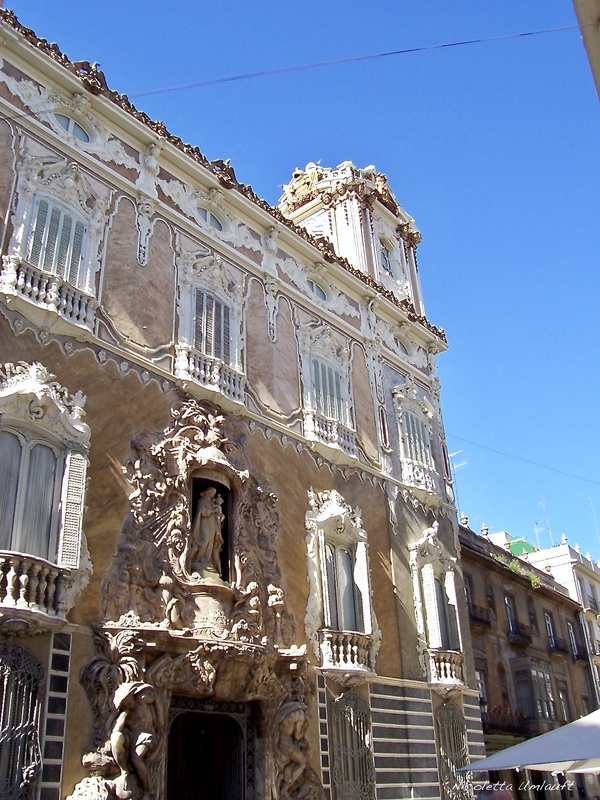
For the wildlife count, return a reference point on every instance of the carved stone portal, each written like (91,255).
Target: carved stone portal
(192,606)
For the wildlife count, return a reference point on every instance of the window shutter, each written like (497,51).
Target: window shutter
(209,341)
(226,349)
(70,540)
(53,229)
(72,273)
(64,242)
(37,240)
(199,321)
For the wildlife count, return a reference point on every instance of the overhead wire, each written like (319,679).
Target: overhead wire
(349,60)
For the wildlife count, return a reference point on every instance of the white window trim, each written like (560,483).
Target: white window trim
(318,342)
(430,561)
(330,519)
(64,184)
(207,272)
(410,398)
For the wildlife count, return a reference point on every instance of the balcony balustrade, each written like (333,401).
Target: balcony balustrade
(330,432)
(419,476)
(505,721)
(32,584)
(211,373)
(592,603)
(47,292)
(345,650)
(519,634)
(558,647)
(445,667)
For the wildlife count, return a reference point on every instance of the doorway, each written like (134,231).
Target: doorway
(207,754)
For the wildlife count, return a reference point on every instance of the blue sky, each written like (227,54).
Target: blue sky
(491,147)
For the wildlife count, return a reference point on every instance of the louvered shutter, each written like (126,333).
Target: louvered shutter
(72,516)
(39,228)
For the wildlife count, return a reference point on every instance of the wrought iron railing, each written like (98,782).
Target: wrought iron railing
(519,633)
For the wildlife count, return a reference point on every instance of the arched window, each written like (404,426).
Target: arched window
(210,218)
(56,240)
(317,290)
(385,258)
(72,126)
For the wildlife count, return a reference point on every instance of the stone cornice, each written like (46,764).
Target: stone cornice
(94,81)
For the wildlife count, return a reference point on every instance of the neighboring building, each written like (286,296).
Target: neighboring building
(580,575)
(228,536)
(529,647)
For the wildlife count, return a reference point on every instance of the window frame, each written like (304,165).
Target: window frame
(72,126)
(69,271)
(216,343)
(28,441)
(332,406)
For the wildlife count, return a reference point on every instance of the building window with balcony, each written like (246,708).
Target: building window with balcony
(415,415)
(54,253)
(549,622)
(325,374)
(43,459)
(339,620)
(210,336)
(434,573)
(353,768)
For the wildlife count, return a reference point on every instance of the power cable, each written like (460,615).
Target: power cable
(349,60)
(525,460)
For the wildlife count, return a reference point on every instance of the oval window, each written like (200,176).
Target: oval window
(317,290)
(72,127)
(210,218)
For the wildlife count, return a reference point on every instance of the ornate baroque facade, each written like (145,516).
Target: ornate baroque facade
(228,540)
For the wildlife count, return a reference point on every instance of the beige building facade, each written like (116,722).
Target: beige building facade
(228,535)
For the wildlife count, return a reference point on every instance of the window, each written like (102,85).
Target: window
(30,476)
(572,639)
(563,699)
(56,240)
(510,613)
(550,629)
(317,290)
(544,696)
(21,685)
(385,258)
(416,439)
(353,769)
(480,680)
(209,218)
(72,127)
(344,609)
(212,326)
(524,692)
(339,620)
(42,482)
(434,587)
(210,335)
(327,390)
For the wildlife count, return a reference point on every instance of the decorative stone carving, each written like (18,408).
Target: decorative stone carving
(149,170)
(145,226)
(167,570)
(45,104)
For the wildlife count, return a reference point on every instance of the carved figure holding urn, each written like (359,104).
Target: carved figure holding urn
(206,539)
(134,738)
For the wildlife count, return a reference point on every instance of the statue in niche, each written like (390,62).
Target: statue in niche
(134,738)
(206,539)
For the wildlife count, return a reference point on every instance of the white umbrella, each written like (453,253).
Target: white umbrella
(573,748)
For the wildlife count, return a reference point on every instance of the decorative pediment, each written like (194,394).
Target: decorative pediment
(410,395)
(203,268)
(429,549)
(61,179)
(317,339)
(30,393)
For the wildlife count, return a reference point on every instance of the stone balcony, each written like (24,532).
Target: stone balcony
(210,373)
(330,432)
(419,476)
(345,651)
(46,299)
(33,593)
(445,668)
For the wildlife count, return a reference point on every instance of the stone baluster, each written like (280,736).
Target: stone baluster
(23,598)
(11,582)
